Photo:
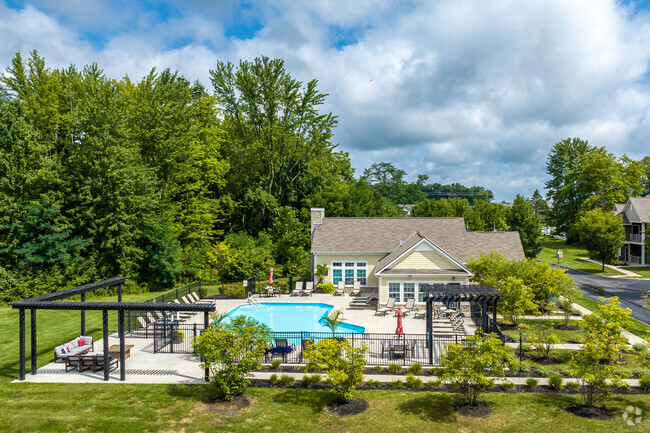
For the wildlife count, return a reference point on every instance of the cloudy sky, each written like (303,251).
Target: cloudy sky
(474,92)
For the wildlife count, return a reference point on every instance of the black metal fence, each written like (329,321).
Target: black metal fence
(288,347)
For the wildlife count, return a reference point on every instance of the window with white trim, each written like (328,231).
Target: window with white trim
(394,291)
(408,290)
(349,272)
(402,291)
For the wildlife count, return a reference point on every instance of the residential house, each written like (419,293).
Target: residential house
(636,216)
(398,256)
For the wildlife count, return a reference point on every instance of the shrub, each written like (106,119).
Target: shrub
(378,368)
(435,371)
(563,370)
(282,286)
(415,368)
(273,378)
(544,370)
(543,339)
(517,367)
(507,386)
(327,288)
(434,383)
(640,348)
(230,352)
(644,383)
(394,368)
(396,383)
(373,383)
(275,364)
(531,383)
(203,291)
(555,382)
(341,361)
(308,380)
(234,290)
(287,380)
(573,386)
(413,382)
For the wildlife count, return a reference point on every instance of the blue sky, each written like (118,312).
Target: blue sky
(473,92)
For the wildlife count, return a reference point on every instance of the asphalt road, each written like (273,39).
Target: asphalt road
(629,291)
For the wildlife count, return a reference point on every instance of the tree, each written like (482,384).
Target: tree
(543,338)
(231,351)
(387,179)
(602,233)
(539,205)
(597,363)
(334,319)
(522,219)
(470,366)
(341,361)
(517,300)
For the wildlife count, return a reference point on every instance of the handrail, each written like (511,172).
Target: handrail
(251,299)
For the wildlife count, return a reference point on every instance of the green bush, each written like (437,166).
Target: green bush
(640,348)
(517,367)
(644,383)
(273,378)
(396,383)
(507,386)
(415,368)
(373,383)
(203,291)
(555,382)
(563,370)
(282,286)
(287,380)
(544,370)
(573,386)
(434,383)
(413,382)
(308,380)
(435,371)
(327,288)
(275,363)
(378,368)
(531,383)
(233,290)
(394,368)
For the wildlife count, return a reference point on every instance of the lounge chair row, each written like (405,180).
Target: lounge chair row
(356,288)
(307,291)
(364,301)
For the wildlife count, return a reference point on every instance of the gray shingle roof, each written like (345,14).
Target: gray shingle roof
(642,207)
(618,210)
(385,234)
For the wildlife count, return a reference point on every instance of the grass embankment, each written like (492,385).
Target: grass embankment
(638,328)
(643,271)
(571,257)
(153,408)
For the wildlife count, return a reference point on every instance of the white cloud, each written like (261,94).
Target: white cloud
(465,91)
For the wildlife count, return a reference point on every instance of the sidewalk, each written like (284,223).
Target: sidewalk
(623,271)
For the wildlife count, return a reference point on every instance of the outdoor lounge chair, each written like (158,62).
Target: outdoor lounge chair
(297,291)
(340,289)
(282,347)
(196,300)
(390,306)
(364,302)
(410,304)
(356,289)
(309,289)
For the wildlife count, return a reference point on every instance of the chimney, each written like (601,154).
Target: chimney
(317,216)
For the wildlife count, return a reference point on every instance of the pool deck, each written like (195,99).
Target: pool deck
(143,366)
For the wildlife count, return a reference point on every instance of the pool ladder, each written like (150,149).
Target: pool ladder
(251,299)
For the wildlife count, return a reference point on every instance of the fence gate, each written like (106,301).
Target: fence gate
(163,336)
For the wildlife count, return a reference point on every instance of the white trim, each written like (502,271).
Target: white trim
(417,287)
(435,247)
(440,275)
(352,252)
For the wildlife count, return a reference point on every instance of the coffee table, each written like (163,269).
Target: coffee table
(114,350)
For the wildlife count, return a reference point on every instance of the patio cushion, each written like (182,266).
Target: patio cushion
(283,350)
(75,343)
(60,350)
(81,341)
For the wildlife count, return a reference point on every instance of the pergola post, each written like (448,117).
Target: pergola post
(21,331)
(119,293)
(429,328)
(206,323)
(494,315)
(34,350)
(120,330)
(484,315)
(83,316)
(105,323)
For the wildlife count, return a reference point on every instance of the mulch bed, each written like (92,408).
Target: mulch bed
(352,407)
(231,407)
(590,412)
(479,410)
(567,327)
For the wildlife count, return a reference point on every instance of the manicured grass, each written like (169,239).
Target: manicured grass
(577,336)
(54,327)
(644,271)
(154,408)
(638,328)
(571,257)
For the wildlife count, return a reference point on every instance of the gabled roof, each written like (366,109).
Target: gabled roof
(619,209)
(642,207)
(384,235)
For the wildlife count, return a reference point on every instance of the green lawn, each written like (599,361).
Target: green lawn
(571,257)
(644,271)
(161,408)
(577,336)
(637,328)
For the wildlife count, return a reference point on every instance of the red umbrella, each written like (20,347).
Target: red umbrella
(271,277)
(400,329)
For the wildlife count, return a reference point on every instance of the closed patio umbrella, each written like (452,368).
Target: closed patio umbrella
(400,329)
(271,277)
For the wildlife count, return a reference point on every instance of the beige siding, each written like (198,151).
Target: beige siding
(371,259)
(425,260)
(383,289)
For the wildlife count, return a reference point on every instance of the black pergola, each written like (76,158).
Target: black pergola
(49,302)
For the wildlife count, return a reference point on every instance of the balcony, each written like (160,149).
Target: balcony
(635,238)
(635,260)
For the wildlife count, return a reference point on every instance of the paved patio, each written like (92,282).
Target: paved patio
(143,366)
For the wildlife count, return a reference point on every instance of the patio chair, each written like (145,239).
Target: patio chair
(144,325)
(309,289)
(282,347)
(150,317)
(410,304)
(390,306)
(364,302)
(356,289)
(340,289)
(194,299)
(269,291)
(297,291)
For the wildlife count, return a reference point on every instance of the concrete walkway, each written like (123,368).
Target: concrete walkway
(623,271)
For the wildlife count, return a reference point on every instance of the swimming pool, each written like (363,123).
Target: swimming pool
(293,317)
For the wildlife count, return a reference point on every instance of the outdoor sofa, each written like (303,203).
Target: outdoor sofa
(78,346)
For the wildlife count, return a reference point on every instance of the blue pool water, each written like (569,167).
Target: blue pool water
(290,317)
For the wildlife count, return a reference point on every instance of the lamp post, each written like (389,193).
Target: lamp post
(559,255)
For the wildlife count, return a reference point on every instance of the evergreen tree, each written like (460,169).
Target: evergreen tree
(522,219)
